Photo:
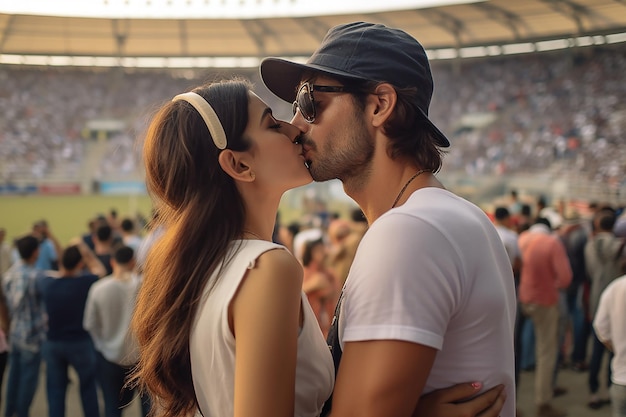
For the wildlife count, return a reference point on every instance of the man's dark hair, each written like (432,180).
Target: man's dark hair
(71,257)
(605,220)
(525,210)
(104,233)
(501,213)
(543,220)
(26,246)
(127,225)
(408,131)
(123,255)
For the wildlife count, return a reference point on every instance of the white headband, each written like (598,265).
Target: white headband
(208,114)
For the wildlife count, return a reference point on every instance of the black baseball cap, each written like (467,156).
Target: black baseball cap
(363,52)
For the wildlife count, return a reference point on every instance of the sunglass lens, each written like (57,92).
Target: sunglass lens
(305,103)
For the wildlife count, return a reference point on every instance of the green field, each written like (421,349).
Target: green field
(67,216)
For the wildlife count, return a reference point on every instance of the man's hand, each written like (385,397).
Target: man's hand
(453,402)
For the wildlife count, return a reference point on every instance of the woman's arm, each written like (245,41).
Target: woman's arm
(265,319)
(453,402)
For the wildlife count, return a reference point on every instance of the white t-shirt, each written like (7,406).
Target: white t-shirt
(610,324)
(435,272)
(212,345)
(108,312)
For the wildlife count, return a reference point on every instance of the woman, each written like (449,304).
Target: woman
(217,163)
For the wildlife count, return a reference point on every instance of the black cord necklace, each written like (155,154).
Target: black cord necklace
(417,174)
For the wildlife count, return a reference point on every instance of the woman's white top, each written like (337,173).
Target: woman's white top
(212,344)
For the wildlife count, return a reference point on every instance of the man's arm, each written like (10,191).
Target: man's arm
(92,262)
(381,378)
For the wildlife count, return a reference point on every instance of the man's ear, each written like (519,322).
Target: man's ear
(235,165)
(385,98)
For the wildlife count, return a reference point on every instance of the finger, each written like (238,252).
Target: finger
(457,393)
(495,408)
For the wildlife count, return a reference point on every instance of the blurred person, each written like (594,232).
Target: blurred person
(523,220)
(130,237)
(108,312)
(5,261)
(310,230)
(413,306)
(609,325)
(515,205)
(573,234)
(67,342)
(287,233)
(50,248)
(545,271)
(27,330)
(5,253)
(503,224)
(603,253)
(92,227)
(155,231)
(113,220)
(319,283)
(103,246)
(340,255)
(221,307)
(620,224)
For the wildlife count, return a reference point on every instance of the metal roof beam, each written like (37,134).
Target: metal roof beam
(184,37)
(313,27)
(506,18)
(451,24)
(258,31)
(120,33)
(6,32)
(576,12)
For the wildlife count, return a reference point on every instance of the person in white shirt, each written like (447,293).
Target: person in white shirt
(610,327)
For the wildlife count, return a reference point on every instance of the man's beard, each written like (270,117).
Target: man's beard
(344,158)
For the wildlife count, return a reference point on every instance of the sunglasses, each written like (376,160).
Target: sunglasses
(305,102)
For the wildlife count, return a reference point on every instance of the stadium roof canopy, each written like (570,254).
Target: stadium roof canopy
(478,24)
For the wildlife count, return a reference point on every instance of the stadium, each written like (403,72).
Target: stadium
(531,94)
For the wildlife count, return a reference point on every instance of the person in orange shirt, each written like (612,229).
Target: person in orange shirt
(546,270)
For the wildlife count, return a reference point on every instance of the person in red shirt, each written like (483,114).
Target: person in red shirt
(546,270)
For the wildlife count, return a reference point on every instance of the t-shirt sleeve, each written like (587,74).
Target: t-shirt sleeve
(404,283)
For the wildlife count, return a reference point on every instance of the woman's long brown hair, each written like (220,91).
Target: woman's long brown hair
(202,213)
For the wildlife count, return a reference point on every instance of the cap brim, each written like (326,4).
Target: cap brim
(438,136)
(282,78)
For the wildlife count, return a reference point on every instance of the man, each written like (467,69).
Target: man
(5,253)
(108,312)
(67,343)
(546,270)
(49,246)
(429,300)
(573,234)
(503,224)
(27,327)
(610,327)
(603,253)
(130,237)
(103,246)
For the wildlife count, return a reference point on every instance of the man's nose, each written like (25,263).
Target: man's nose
(298,121)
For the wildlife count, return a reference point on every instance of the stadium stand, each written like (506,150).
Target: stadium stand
(559,112)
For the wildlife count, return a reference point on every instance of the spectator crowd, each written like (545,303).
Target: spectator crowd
(508,114)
